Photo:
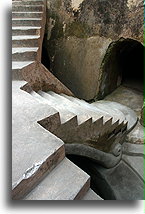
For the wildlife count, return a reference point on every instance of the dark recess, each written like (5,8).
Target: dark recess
(98,184)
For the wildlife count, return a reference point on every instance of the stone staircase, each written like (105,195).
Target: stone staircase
(38,157)
(44,120)
(40,170)
(88,126)
(28,24)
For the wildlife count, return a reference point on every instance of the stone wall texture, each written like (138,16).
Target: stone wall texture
(78,34)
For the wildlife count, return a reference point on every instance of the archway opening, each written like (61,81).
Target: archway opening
(98,184)
(130,62)
(122,64)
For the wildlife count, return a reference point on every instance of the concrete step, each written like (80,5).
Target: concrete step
(65,182)
(129,114)
(25,41)
(65,114)
(28,2)
(27,14)
(91,196)
(27,8)
(80,128)
(75,108)
(23,30)
(105,111)
(35,151)
(25,54)
(16,69)
(27,22)
(74,129)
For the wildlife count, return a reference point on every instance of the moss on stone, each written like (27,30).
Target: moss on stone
(77,29)
(57,4)
(57,30)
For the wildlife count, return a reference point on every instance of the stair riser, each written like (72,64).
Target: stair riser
(28,2)
(26,32)
(28,9)
(25,43)
(26,15)
(26,56)
(36,23)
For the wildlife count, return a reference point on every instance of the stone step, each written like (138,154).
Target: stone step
(64,111)
(27,14)
(16,69)
(23,30)
(25,41)
(64,114)
(27,8)
(91,196)
(35,151)
(25,54)
(105,111)
(65,182)
(92,112)
(27,22)
(28,2)
(129,114)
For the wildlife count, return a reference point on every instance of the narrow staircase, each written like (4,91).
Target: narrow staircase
(40,169)
(47,125)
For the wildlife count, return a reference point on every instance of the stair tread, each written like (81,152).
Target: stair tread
(26,19)
(63,183)
(116,114)
(129,114)
(28,137)
(25,37)
(22,50)
(26,12)
(77,109)
(64,114)
(64,110)
(25,27)
(20,64)
(91,195)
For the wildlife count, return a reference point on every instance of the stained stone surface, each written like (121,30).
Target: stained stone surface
(136,136)
(128,97)
(40,78)
(79,33)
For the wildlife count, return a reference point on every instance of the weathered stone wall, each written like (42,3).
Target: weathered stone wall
(79,33)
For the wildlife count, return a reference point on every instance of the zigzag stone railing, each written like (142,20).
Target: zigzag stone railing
(95,140)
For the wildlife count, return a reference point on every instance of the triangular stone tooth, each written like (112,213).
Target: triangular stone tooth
(51,123)
(96,127)
(80,133)
(114,126)
(66,128)
(106,126)
(83,131)
(124,128)
(118,128)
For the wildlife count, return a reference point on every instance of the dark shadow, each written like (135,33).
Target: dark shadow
(122,64)
(98,184)
(45,59)
(130,61)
